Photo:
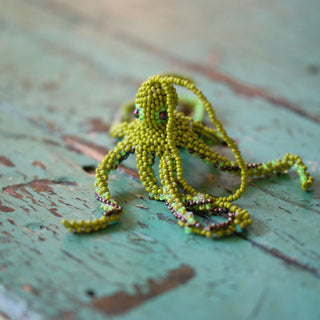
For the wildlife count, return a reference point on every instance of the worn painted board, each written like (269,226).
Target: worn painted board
(257,48)
(65,68)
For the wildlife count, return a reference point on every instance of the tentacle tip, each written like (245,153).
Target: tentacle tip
(208,234)
(305,187)
(187,230)
(65,223)
(219,234)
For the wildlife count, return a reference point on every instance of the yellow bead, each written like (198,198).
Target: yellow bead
(243,225)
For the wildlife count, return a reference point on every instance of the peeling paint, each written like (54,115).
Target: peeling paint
(51,142)
(122,302)
(96,152)
(143,225)
(6,162)
(49,86)
(55,213)
(141,207)
(26,84)
(28,288)
(4,316)
(140,196)
(5,208)
(39,164)
(12,222)
(38,186)
(163,217)
(7,234)
(97,125)
(90,149)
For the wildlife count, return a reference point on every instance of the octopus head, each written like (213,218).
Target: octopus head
(155,102)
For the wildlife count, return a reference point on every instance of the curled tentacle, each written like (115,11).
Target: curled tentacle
(274,167)
(278,166)
(112,210)
(200,149)
(181,204)
(235,219)
(208,135)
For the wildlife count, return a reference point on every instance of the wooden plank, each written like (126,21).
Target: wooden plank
(62,78)
(237,37)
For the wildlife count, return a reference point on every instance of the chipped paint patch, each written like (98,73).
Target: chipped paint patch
(49,86)
(96,152)
(30,289)
(121,302)
(11,222)
(142,237)
(39,164)
(143,225)
(97,125)
(38,186)
(54,211)
(141,207)
(163,217)
(5,208)
(6,162)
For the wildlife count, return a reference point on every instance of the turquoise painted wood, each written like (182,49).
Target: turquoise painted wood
(64,69)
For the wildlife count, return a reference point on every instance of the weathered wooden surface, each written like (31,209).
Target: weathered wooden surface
(64,68)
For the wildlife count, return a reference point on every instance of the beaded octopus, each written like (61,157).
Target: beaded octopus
(159,131)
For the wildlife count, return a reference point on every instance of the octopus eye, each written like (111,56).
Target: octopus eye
(163,115)
(136,113)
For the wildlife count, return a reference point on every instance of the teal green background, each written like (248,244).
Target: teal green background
(65,67)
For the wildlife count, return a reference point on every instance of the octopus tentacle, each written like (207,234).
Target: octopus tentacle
(278,166)
(179,206)
(198,148)
(188,190)
(230,143)
(170,187)
(111,209)
(236,219)
(209,135)
(178,172)
(120,130)
(274,167)
(147,174)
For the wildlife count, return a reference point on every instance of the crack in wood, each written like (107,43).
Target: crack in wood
(270,193)
(280,255)
(258,305)
(97,125)
(39,164)
(79,261)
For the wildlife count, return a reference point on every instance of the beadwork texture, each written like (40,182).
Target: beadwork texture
(159,130)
